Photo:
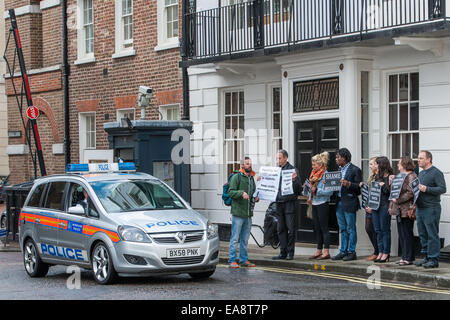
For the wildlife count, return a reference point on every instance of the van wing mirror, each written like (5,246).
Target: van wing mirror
(77,210)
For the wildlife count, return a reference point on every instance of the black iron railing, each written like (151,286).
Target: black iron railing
(270,23)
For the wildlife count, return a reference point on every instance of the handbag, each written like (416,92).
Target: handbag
(412,212)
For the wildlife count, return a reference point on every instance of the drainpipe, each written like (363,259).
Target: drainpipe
(66,73)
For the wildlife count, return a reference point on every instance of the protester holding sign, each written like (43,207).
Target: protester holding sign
(347,204)
(381,218)
(319,201)
(286,208)
(402,208)
(432,186)
(369,223)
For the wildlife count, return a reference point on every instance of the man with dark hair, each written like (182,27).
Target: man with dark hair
(347,204)
(286,210)
(432,185)
(242,188)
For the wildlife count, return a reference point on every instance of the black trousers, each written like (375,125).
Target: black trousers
(320,215)
(372,234)
(286,229)
(406,238)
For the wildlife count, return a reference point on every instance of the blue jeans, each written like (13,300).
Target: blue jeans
(240,232)
(428,227)
(347,228)
(382,225)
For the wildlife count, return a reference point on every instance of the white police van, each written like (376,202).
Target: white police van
(108,218)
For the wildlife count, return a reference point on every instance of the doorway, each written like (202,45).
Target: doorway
(311,138)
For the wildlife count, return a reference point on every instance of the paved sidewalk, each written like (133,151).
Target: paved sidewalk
(435,278)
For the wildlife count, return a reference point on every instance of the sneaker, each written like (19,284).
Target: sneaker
(247,264)
(431,264)
(421,262)
(350,256)
(234,265)
(339,256)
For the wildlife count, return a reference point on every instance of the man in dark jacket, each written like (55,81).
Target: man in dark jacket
(347,204)
(242,188)
(432,186)
(286,210)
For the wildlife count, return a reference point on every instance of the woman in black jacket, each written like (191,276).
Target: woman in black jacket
(381,217)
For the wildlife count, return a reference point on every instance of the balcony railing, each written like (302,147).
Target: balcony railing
(264,24)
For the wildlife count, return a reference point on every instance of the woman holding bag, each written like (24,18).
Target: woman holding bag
(403,208)
(319,200)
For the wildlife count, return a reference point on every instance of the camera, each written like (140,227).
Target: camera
(146,91)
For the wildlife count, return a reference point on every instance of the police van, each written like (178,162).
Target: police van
(108,218)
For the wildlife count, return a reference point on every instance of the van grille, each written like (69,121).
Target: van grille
(182,261)
(169,238)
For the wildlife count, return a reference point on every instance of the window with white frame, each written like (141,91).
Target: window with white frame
(171,13)
(124,28)
(87,131)
(234,129)
(85,32)
(126,113)
(365,153)
(168,24)
(403,116)
(277,140)
(169,112)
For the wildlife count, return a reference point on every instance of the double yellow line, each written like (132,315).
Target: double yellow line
(353,279)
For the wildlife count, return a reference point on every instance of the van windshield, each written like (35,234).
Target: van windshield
(135,195)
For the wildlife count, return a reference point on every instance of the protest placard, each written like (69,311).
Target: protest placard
(332,181)
(365,195)
(307,188)
(396,186)
(286,182)
(374,195)
(415,186)
(267,187)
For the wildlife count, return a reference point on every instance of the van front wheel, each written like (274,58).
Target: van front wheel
(102,265)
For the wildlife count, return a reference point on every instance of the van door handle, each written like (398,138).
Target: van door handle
(37,220)
(62,224)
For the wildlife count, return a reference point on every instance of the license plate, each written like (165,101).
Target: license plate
(179,253)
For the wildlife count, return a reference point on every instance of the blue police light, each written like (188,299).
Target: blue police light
(100,167)
(79,167)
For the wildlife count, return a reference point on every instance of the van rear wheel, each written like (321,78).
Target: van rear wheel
(34,266)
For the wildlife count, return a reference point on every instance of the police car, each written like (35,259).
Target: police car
(108,218)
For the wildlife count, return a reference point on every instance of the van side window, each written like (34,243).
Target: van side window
(79,196)
(35,200)
(55,195)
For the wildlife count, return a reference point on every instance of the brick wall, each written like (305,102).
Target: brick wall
(102,86)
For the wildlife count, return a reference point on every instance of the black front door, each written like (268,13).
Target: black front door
(313,137)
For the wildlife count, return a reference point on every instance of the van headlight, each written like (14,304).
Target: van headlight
(213,230)
(133,234)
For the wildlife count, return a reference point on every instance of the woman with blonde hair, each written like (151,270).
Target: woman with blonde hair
(369,222)
(319,200)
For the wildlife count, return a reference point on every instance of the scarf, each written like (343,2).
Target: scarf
(314,179)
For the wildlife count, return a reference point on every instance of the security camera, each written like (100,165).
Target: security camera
(144,97)
(145,90)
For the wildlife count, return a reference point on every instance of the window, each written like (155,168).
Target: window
(55,193)
(171,112)
(127,23)
(126,113)
(365,158)
(276,120)
(35,200)
(85,32)
(77,197)
(234,130)
(403,116)
(171,13)
(87,132)
(168,25)
(124,29)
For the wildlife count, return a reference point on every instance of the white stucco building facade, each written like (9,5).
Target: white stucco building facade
(386,96)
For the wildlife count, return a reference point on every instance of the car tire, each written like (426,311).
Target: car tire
(34,266)
(102,265)
(202,275)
